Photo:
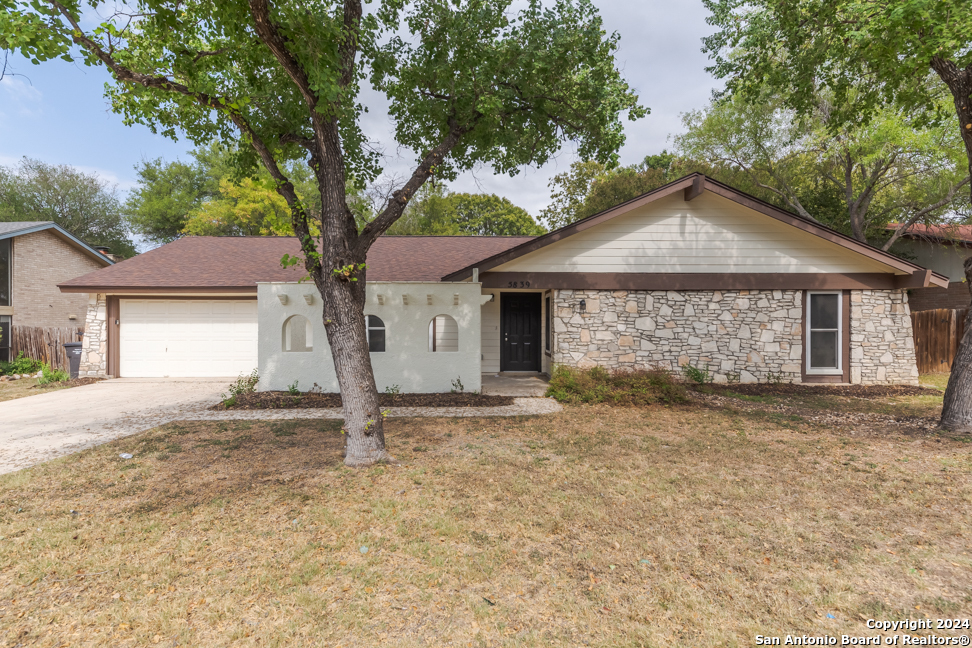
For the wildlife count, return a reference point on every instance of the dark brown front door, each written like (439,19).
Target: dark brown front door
(520,330)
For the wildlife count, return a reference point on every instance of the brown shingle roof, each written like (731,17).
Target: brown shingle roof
(949,233)
(237,263)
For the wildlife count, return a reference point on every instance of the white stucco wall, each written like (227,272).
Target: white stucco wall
(406,362)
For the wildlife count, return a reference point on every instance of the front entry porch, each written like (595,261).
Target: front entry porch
(519,385)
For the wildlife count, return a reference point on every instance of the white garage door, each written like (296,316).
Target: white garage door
(187,338)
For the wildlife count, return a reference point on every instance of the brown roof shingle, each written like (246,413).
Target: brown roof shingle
(237,263)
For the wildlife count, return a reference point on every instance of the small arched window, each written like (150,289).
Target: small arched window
(443,335)
(375,331)
(298,334)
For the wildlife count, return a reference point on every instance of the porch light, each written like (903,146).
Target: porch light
(455,299)
(283,299)
(381,300)
(309,299)
(428,298)
(405,300)
(583,305)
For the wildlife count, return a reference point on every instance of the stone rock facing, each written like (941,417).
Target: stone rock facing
(745,335)
(882,342)
(94,346)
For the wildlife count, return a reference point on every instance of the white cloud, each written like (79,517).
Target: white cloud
(23,97)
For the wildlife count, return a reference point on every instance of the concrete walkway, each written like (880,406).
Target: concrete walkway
(525,385)
(43,427)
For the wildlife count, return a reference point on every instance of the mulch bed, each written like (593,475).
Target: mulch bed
(851,391)
(283,400)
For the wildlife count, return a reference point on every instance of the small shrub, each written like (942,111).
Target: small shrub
(393,390)
(22,365)
(292,389)
(49,375)
(244,384)
(696,375)
(597,385)
(457,386)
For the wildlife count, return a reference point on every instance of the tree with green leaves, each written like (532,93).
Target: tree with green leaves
(867,55)
(855,177)
(82,203)
(209,197)
(468,82)
(438,212)
(590,187)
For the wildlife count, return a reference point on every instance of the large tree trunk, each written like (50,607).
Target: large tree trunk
(344,322)
(957,408)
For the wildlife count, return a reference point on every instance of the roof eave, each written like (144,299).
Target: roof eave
(149,290)
(64,234)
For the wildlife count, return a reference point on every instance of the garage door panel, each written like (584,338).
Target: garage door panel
(187,338)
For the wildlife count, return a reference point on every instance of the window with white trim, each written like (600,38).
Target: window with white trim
(824,334)
(375,331)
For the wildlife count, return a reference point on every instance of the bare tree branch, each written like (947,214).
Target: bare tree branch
(400,198)
(924,212)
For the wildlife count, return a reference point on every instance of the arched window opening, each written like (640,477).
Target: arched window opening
(443,335)
(375,331)
(298,336)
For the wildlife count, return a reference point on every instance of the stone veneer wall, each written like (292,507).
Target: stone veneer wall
(742,334)
(882,342)
(750,335)
(94,346)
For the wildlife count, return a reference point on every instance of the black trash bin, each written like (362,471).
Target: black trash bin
(74,355)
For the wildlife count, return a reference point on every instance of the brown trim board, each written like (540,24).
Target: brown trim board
(156,290)
(189,297)
(114,346)
(701,281)
(690,185)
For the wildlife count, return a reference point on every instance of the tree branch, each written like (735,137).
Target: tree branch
(270,35)
(924,212)
(283,184)
(349,47)
(399,200)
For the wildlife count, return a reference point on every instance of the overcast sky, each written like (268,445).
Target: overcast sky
(57,113)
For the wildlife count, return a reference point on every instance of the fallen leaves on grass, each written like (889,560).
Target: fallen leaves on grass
(599,526)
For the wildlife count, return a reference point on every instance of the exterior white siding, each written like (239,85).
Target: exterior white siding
(710,234)
(491,333)
(943,259)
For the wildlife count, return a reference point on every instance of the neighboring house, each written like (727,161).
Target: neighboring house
(694,272)
(944,249)
(34,258)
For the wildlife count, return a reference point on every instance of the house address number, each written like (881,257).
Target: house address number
(518,284)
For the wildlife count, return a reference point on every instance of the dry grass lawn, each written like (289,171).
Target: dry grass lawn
(22,388)
(683,526)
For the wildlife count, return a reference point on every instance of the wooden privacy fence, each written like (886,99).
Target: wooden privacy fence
(45,344)
(937,337)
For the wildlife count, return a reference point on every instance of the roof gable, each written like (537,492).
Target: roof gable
(696,225)
(13,229)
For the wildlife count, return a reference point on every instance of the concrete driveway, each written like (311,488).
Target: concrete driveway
(42,427)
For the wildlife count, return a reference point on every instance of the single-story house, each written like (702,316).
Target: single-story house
(35,256)
(694,272)
(944,249)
